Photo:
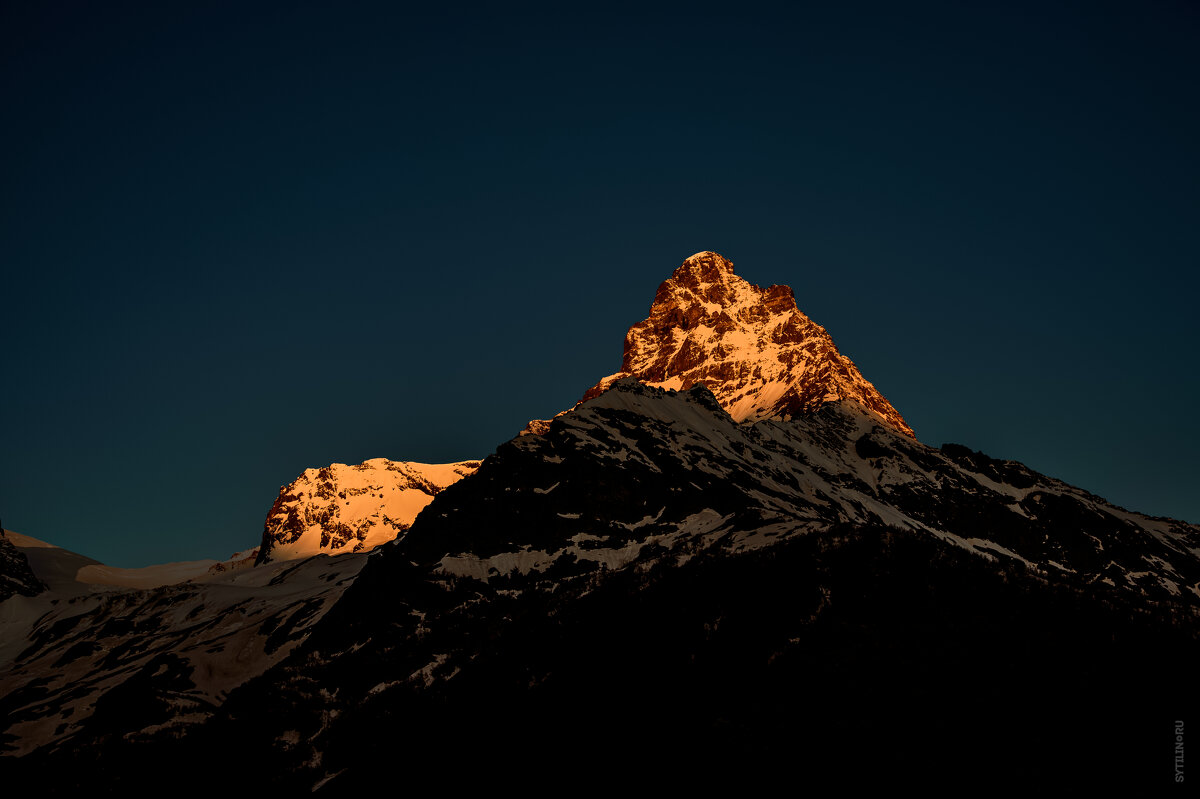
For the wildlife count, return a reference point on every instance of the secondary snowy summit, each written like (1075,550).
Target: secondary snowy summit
(339,508)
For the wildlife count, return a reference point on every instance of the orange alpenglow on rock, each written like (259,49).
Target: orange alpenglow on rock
(341,508)
(752,347)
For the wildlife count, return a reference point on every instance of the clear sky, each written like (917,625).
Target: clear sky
(238,240)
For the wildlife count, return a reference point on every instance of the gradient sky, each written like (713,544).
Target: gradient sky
(239,240)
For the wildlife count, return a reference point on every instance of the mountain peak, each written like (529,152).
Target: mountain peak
(752,347)
(706,259)
(342,508)
(703,271)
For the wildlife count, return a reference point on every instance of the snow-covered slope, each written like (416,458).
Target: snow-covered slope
(656,470)
(759,355)
(146,576)
(340,508)
(73,664)
(68,573)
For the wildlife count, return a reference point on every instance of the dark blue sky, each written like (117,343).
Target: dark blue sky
(238,242)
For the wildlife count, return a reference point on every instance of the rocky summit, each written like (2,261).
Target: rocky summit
(752,347)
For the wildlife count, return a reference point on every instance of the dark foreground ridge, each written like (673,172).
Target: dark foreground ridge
(651,591)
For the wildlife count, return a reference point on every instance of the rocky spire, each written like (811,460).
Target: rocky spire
(752,347)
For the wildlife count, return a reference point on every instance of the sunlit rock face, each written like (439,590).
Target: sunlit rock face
(340,509)
(752,347)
